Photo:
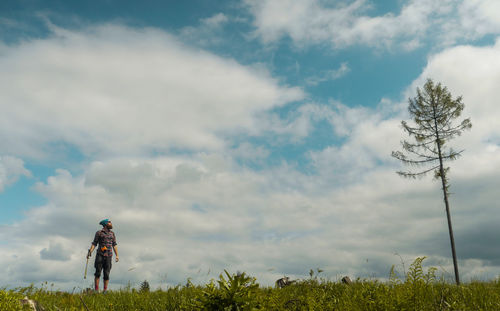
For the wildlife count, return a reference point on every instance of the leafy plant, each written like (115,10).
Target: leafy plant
(237,292)
(314,274)
(393,276)
(415,272)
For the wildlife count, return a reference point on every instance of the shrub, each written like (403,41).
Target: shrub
(144,287)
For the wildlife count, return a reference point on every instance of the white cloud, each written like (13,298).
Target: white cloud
(329,75)
(480,17)
(55,251)
(11,168)
(115,90)
(349,23)
(248,152)
(370,135)
(206,33)
(215,21)
(9,23)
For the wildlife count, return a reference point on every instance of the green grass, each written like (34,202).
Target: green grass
(419,290)
(307,295)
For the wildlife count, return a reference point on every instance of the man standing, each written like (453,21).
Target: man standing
(106,240)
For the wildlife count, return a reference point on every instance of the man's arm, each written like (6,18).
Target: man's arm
(115,248)
(92,246)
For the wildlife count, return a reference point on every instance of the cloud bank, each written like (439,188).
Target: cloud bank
(116,90)
(193,215)
(347,23)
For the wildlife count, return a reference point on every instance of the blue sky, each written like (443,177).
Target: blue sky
(264,126)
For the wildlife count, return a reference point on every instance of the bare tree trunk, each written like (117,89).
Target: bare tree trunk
(450,229)
(452,239)
(445,194)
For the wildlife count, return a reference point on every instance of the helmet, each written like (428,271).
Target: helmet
(104,222)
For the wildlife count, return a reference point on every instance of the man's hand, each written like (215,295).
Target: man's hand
(116,253)
(89,254)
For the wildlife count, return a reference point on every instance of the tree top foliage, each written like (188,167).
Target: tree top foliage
(433,111)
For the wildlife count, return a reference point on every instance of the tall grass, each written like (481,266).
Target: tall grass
(419,290)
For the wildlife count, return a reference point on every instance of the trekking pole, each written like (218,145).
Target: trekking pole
(86,265)
(83,303)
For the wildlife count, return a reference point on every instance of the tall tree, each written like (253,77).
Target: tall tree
(433,111)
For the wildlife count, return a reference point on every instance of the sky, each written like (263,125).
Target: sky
(249,135)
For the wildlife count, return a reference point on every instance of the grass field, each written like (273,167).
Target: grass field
(419,290)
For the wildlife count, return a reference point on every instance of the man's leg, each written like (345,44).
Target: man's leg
(106,269)
(98,268)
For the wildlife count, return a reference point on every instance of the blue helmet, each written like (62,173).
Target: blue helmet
(104,222)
